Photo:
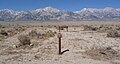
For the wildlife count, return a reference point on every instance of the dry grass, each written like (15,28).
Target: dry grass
(45,45)
(3,35)
(104,53)
(10,30)
(113,34)
(50,34)
(34,34)
(101,28)
(90,27)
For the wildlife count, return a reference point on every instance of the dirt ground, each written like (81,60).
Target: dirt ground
(79,46)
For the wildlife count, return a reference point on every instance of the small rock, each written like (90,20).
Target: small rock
(31,44)
(14,46)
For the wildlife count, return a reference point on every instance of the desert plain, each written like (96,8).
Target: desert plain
(87,42)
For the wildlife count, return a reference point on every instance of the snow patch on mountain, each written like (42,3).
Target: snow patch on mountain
(53,14)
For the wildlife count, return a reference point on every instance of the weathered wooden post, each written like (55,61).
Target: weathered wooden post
(59,37)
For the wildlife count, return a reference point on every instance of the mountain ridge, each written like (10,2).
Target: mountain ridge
(54,14)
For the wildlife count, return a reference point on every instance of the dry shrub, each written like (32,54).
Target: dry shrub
(12,32)
(3,32)
(41,34)
(1,37)
(15,30)
(90,27)
(101,28)
(49,34)
(104,53)
(19,28)
(24,40)
(113,33)
(34,34)
(107,28)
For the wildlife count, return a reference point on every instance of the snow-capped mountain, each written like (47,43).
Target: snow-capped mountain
(99,14)
(53,14)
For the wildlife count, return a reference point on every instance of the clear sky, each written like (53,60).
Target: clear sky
(69,5)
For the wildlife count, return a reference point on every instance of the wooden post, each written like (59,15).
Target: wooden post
(59,37)
(59,45)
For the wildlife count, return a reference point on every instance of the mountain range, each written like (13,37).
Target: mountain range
(54,14)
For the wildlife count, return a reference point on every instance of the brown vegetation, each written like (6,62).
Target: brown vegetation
(113,33)
(49,34)
(24,40)
(3,32)
(34,34)
(105,53)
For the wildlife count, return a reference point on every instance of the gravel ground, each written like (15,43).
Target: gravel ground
(76,43)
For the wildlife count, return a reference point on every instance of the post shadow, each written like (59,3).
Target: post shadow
(64,51)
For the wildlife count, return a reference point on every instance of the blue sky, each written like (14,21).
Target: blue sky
(69,5)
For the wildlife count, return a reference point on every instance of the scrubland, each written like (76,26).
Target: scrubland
(37,43)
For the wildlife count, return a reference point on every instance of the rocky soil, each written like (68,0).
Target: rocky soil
(78,47)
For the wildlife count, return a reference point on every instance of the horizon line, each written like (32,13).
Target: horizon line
(58,8)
